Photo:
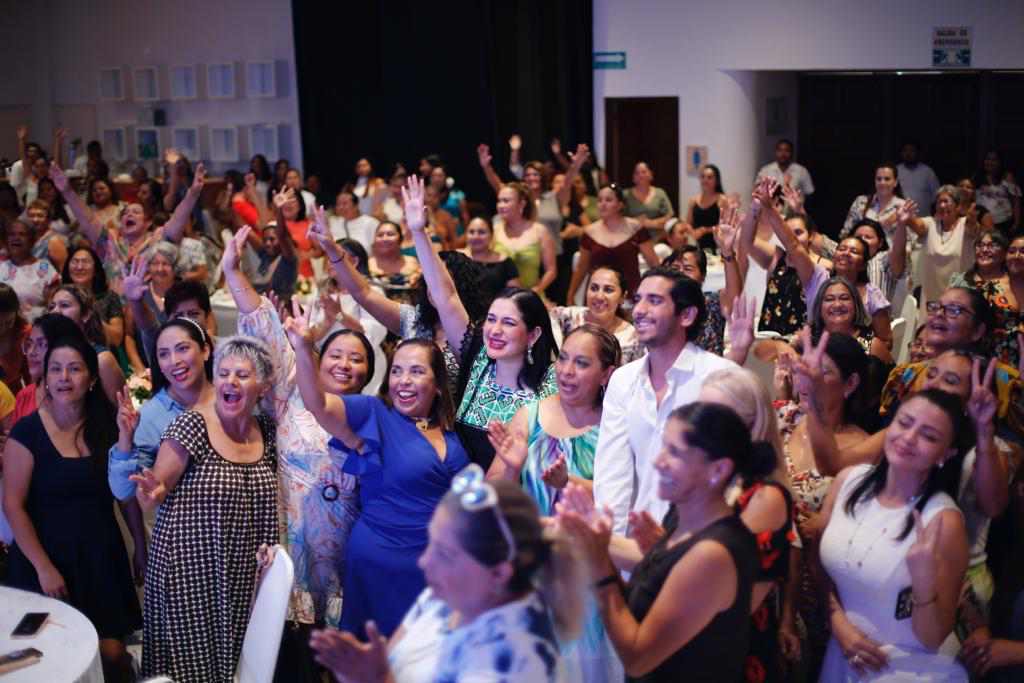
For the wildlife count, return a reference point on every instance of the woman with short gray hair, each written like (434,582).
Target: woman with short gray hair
(947,243)
(215,484)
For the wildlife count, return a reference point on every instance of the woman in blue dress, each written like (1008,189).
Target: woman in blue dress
(551,442)
(402,448)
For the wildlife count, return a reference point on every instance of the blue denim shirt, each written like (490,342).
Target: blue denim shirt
(155,416)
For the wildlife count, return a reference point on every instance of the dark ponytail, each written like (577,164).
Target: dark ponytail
(721,433)
(942,478)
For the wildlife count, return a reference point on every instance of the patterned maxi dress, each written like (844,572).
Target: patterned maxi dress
(202,560)
(318,502)
(591,659)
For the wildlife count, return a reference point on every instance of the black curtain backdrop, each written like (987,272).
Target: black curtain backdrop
(396,80)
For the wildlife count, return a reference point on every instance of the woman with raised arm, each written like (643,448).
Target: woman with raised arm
(849,261)
(502,591)
(182,376)
(519,235)
(880,206)
(504,363)
(67,541)
(895,550)
(76,303)
(417,320)
(606,293)
(550,443)
(118,244)
(159,258)
(214,483)
(614,240)
(947,240)
(659,635)
(319,502)
(403,451)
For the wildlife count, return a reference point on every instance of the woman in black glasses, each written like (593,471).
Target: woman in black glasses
(501,592)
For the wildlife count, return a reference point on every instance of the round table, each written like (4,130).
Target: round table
(68,641)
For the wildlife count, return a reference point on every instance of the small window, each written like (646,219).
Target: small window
(183,83)
(111,86)
(259,81)
(114,145)
(147,143)
(186,141)
(224,144)
(220,81)
(147,84)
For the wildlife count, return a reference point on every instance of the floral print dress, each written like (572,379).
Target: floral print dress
(1009,320)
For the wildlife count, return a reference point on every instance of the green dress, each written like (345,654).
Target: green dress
(590,658)
(527,260)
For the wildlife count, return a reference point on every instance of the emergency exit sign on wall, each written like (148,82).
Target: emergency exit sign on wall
(609,60)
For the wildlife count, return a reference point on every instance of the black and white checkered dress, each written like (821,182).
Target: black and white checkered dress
(202,559)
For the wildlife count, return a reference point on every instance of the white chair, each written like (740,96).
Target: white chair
(266,622)
(910,313)
(898,328)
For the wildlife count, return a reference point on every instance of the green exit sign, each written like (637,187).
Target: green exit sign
(609,60)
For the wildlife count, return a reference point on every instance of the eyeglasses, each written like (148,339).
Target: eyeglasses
(987,246)
(951,311)
(476,494)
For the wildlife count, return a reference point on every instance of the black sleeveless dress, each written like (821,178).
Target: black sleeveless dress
(706,218)
(72,510)
(717,653)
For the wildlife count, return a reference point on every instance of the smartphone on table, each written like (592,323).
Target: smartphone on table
(30,624)
(19,659)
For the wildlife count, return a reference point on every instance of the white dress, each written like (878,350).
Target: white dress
(943,254)
(868,566)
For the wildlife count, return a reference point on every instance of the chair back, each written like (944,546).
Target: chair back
(266,622)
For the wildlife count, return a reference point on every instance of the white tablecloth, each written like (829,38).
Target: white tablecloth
(68,641)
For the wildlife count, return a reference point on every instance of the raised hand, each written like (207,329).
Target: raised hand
(509,444)
(233,249)
(483,154)
(727,231)
(133,283)
(906,212)
(22,132)
(60,181)
(149,490)
(330,306)
(808,369)
(281,198)
(348,659)
(198,178)
(280,306)
(794,200)
(514,143)
(580,157)
(923,557)
(298,328)
(556,475)
(171,156)
(645,530)
(127,416)
(556,146)
(982,403)
(412,198)
(741,322)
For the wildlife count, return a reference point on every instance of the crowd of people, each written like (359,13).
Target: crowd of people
(519,438)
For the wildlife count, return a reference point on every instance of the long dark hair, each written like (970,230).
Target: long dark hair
(110,185)
(897,191)
(944,477)
(99,426)
(442,411)
(197,334)
(544,350)
(99,275)
(718,177)
(371,361)
(850,358)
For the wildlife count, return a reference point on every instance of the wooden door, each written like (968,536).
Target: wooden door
(643,129)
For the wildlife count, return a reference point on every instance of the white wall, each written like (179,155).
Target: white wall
(54,49)
(718,58)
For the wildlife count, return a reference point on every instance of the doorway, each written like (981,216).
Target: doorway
(643,129)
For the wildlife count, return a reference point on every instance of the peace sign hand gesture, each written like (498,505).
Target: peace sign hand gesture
(580,157)
(298,327)
(412,198)
(923,557)
(198,179)
(982,404)
(808,369)
(149,490)
(127,419)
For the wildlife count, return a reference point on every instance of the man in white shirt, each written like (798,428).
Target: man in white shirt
(786,171)
(918,181)
(668,313)
(347,223)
